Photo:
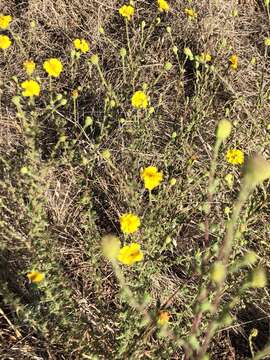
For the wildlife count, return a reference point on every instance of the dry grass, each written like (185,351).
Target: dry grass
(55,219)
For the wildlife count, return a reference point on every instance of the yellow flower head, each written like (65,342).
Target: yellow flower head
(151,177)
(35,276)
(31,88)
(53,67)
(234,62)
(5,42)
(139,100)
(82,45)
(163,5)
(29,67)
(129,223)
(163,318)
(235,156)
(205,57)
(191,14)
(130,254)
(5,21)
(127,11)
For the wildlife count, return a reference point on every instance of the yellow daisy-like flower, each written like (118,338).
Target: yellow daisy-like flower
(5,42)
(151,177)
(205,57)
(31,88)
(5,20)
(29,67)
(127,11)
(235,156)
(130,254)
(163,318)
(139,100)
(35,276)
(82,45)
(234,62)
(163,5)
(53,67)
(191,14)
(129,223)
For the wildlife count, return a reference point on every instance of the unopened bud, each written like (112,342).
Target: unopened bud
(94,59)
(257,170)
(224,129)
(110,246)
(218,272)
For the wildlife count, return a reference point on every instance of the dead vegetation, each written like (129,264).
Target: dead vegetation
(54,220)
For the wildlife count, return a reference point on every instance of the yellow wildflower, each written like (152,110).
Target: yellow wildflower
(129,223)
(5,42)
(234,62)
(29,67)
(205,57)
(130,254)
(35,276)
(127,11)
(31,88)
(139,100)
(53,67)
(5,21)
(82,45)
(235,156)
(151,177)
(163,318)
(191,14)
(163,5)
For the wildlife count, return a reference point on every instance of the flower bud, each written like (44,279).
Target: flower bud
(267,41)
(110,246)
(188,53)
(224,129)
(123,52)
(168,66)
(218,272)
(172,181)
(175,49)
(257,170)
(106,154)
(258,278)
(24,170)
(88,121)
(250,258)
(94,59)
(101,30)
